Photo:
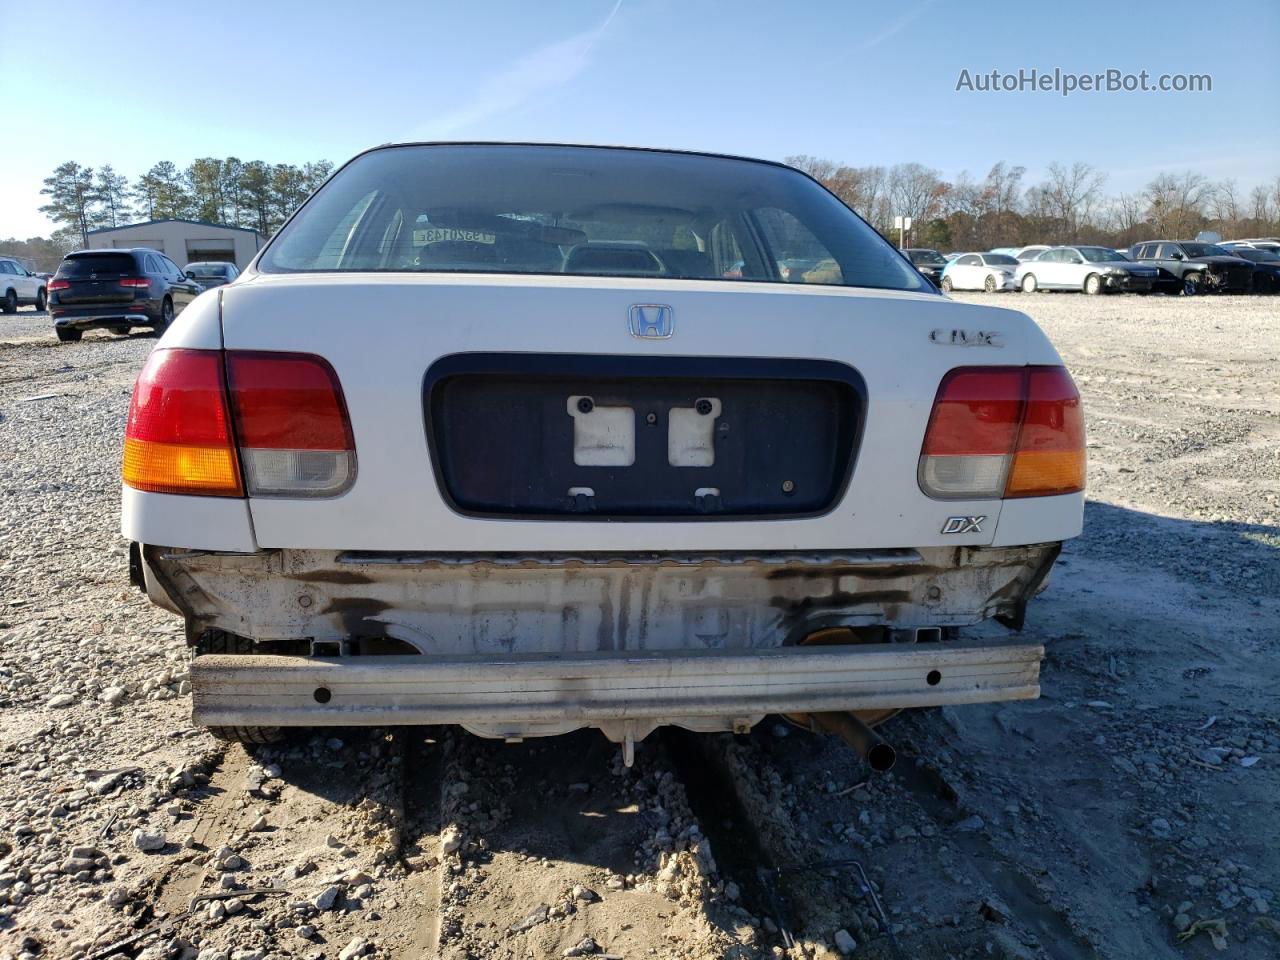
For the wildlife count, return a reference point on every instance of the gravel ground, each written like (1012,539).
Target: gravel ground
(1130,812)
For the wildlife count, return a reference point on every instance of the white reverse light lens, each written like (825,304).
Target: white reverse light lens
(297,473)
(977,477)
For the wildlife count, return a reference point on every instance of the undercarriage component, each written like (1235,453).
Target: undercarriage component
(869,745)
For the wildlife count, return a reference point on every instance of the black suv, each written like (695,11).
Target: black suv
(929,262)
(117,290)
(1192,267)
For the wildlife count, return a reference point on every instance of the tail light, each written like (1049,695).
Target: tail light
(198,416)
(134,282)
(295,436)
(58,285)
(178,438)
(1004,431)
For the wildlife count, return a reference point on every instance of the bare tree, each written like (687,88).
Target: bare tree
(1124,218)
(917,192)
(1224,204)
(1176,203)
(1071,196)
(1260,205)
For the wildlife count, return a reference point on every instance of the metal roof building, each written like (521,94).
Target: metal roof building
(184,241)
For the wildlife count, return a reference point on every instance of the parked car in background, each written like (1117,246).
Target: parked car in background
(19,286)
(117,290)
(991,272)
(929,262)
(1030,252)
(1191,267)
(1234,245)
(1091,269)
(212,273)
(798,490)
(1266,267)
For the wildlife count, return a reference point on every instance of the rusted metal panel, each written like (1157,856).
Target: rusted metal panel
(464,604)
(516,695)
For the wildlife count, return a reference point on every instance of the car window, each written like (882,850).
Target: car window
(171,268)
(6,267)
(1099,254)
(152,266)
(999,260)
(1204,250)
(511,208)
(968,260)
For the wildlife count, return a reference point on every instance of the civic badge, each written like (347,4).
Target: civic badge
(651,321)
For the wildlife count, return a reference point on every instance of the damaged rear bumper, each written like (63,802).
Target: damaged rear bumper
(626,695)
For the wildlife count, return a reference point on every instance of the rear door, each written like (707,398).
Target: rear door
(1051,269)
(1073,268)
(964,275)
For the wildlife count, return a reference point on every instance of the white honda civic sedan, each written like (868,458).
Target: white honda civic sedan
(991,272)
(527,438)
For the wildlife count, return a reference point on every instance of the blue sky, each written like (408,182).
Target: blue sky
(859,82)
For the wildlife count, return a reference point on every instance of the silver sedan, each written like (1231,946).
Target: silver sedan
(1091,269)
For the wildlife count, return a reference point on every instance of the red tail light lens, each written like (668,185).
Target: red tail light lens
(59,285)
(178,437)
(283,420)
(292,424)
(134,282)
(1004,431)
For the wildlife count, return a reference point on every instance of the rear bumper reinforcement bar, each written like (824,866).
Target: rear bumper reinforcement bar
(265,690)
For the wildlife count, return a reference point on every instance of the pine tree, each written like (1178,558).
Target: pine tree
(113,193)
(72,198)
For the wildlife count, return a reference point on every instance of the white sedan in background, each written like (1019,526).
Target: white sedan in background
(991,272)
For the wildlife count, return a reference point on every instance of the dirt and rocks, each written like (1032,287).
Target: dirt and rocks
(1128,813)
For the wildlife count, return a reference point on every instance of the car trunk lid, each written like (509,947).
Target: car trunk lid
(512,412)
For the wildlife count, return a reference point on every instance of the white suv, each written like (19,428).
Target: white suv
(19,286)
(528,438)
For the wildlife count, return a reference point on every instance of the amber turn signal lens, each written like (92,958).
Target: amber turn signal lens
(176,468)
(1046,473)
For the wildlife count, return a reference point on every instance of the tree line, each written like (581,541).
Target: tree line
(238,193)
(1068,206)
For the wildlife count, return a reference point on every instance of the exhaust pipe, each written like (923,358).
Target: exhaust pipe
(878,754)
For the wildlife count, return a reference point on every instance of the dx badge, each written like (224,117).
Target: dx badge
(963,525)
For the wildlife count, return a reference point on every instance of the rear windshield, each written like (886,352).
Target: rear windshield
(87,264)
(587,211)
(207,269)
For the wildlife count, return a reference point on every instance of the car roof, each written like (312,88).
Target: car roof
(585,146)
(98,250)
